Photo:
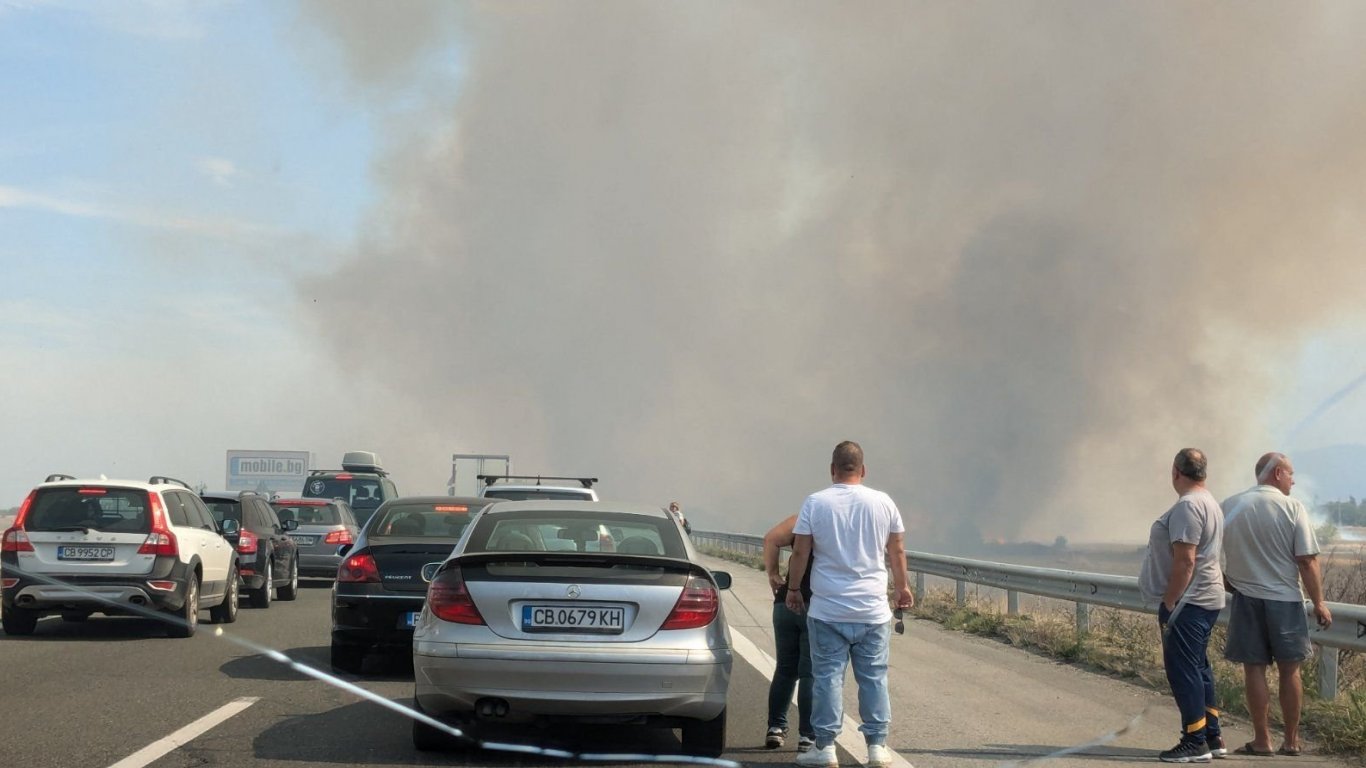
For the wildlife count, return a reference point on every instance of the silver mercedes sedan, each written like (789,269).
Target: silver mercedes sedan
(574,611)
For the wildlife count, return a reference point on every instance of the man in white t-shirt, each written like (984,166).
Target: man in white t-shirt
(857,532)
(1270,547)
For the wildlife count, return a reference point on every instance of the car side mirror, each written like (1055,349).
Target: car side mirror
(343,549)
(290,525)
(229,527)
(721,578)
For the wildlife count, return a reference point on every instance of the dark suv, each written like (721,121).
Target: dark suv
(268,559)
(361,482)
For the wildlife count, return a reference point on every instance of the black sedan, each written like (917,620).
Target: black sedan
(382,581)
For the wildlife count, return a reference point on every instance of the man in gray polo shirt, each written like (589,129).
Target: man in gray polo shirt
(1182,571)
(1270,546)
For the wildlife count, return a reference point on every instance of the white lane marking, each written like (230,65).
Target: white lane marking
(154,751)
(849,736)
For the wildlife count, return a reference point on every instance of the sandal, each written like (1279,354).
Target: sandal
(1251,749)
(1289,751)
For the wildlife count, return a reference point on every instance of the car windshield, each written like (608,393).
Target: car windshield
(429,520)
(114,510)
(576,532)
(309,513)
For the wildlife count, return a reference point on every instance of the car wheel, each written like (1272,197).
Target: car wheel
(20,621)
(260,598)
(75,617)
(291,590)
(347,658)
(226,612)
(705,738)
(187,618)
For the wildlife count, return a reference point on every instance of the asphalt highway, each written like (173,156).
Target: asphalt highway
(116,692)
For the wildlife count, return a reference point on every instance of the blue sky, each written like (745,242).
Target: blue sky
(166,171)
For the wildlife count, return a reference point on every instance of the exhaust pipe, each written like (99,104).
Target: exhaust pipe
(489,707)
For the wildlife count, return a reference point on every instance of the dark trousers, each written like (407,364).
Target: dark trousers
(793,671)
(1185,645)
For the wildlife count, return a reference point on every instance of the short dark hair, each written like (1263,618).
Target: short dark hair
(1191,463)
(847,457)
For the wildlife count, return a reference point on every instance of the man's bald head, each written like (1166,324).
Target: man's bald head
(1275,469)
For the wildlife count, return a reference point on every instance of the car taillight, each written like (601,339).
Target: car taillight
(450,600)
(160,542)
(696,607)
(23,509)
(359,567)
(338,537)
(246,543)
(16,540)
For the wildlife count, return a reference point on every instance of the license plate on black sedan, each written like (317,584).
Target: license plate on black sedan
(70,552)
(596,619)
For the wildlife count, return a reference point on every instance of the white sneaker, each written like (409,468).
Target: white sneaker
(879,756)
(819,757)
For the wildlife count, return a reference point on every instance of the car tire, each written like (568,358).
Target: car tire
(291,590)
(260,598)
(187,618)
(226,612)
(347,658)
(705,738)
(20,621)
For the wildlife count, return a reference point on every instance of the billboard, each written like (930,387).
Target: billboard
(268,472)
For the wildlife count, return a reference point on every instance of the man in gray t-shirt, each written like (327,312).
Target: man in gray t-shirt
(1270,547)
(1182,571)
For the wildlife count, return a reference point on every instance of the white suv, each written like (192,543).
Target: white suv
(83,546)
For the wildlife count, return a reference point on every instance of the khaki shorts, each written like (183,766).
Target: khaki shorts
(1263,631)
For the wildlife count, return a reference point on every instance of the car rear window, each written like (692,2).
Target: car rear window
(364,494)
(576,532)
(436,521)
(533,494)
(113,510)
(225,509)
(310,514)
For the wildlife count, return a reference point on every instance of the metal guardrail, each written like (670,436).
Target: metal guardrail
(1084,589)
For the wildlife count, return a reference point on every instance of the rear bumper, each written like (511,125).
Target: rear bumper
(111,594)
(319,565)
(547,683)
(373,619)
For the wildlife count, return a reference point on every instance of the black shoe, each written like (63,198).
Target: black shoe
(775,737)
(1187,751)
(1216,746)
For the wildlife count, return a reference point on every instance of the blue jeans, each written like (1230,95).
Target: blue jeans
(793,671)
(833,646)
(1185,645)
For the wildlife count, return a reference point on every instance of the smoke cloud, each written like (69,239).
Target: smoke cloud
(1022,252)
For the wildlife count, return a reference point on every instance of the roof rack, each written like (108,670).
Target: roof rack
(366,471)
(586,482)
(164,480)
(57,477)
